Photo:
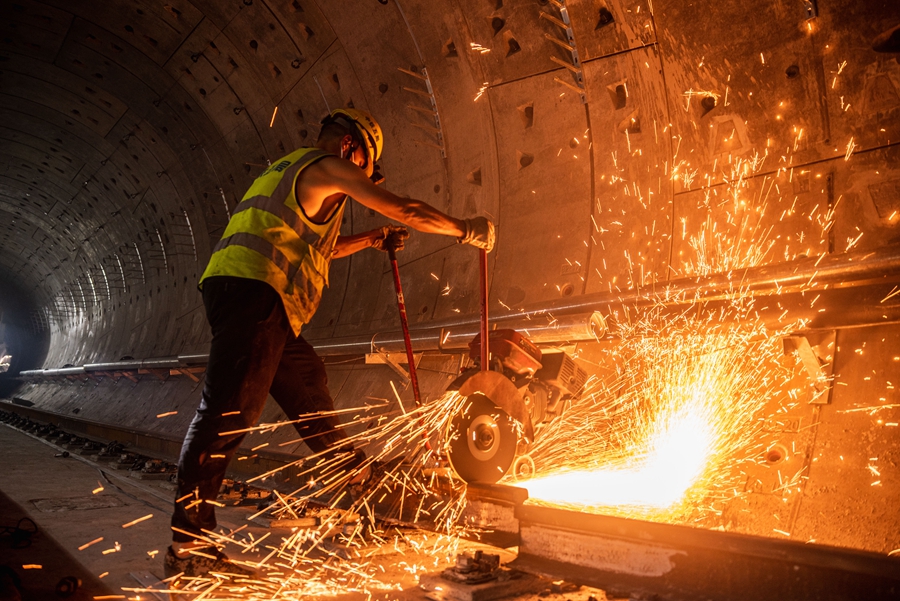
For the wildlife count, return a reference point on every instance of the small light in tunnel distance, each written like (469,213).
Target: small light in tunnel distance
(5,356)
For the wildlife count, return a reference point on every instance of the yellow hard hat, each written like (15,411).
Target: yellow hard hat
(369,131)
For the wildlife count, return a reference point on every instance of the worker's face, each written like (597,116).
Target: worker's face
(353,153)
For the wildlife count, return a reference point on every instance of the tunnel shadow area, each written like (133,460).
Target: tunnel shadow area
(24,332)
(25,545)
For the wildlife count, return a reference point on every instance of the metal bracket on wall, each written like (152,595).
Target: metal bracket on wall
(575,67)
(436,130)
(393,361)
(816,353)
(812,9)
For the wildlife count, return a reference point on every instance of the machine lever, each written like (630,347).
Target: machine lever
(391,245)
(485,346)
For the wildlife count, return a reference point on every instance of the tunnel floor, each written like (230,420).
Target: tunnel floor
(62,496)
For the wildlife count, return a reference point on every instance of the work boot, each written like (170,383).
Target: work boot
(203,561)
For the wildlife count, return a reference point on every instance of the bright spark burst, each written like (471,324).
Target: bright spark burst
(667,432)
(406,489)
(668,422)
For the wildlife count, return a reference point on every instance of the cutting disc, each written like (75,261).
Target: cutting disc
(481,441)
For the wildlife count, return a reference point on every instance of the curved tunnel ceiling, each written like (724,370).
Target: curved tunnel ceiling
(604,138)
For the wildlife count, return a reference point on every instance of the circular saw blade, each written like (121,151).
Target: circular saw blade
(482,441)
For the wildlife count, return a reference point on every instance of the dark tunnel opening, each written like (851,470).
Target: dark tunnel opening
(24,335)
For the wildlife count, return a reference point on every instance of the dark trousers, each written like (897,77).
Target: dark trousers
(254,352)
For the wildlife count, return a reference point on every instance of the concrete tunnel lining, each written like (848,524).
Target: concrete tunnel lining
(678,141)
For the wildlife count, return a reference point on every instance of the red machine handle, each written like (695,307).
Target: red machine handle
(404,323)
(485,347)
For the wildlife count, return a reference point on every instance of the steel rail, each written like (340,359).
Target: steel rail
(855,287)
(160,445)
(583,318)
(640,559)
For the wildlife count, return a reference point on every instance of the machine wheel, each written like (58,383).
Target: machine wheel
(482,441)
(523,468)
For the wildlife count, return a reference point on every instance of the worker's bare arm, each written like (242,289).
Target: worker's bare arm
(345,246)
(393,236)
(332,176)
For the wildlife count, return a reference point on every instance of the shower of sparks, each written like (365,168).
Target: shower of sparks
(406,487)
(93,542)
(668,422)
(666,429)
(894,292)
(688,94)
(669,431)
(851,146)
(481,91)
(137,521)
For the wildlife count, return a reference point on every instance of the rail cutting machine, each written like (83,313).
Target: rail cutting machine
(520,388)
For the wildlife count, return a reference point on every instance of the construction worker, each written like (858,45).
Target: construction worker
(263,283)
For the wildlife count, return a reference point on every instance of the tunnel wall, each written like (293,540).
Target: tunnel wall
(682,140)
(131,134)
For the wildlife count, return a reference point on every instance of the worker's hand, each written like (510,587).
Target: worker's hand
(390,234)
(479,233)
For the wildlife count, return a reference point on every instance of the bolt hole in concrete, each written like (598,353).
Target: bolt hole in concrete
(497,24)
(631,124)
(527,113)
(605,18)
(513,46)
(776,454)
(450,49)
(525,159)
(792,72)
(618,94)
(254,44)
(567,290)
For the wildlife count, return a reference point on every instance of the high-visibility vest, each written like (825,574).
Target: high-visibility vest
(270,238)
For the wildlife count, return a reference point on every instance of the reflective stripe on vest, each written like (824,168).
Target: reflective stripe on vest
(291,252)
(263,247)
